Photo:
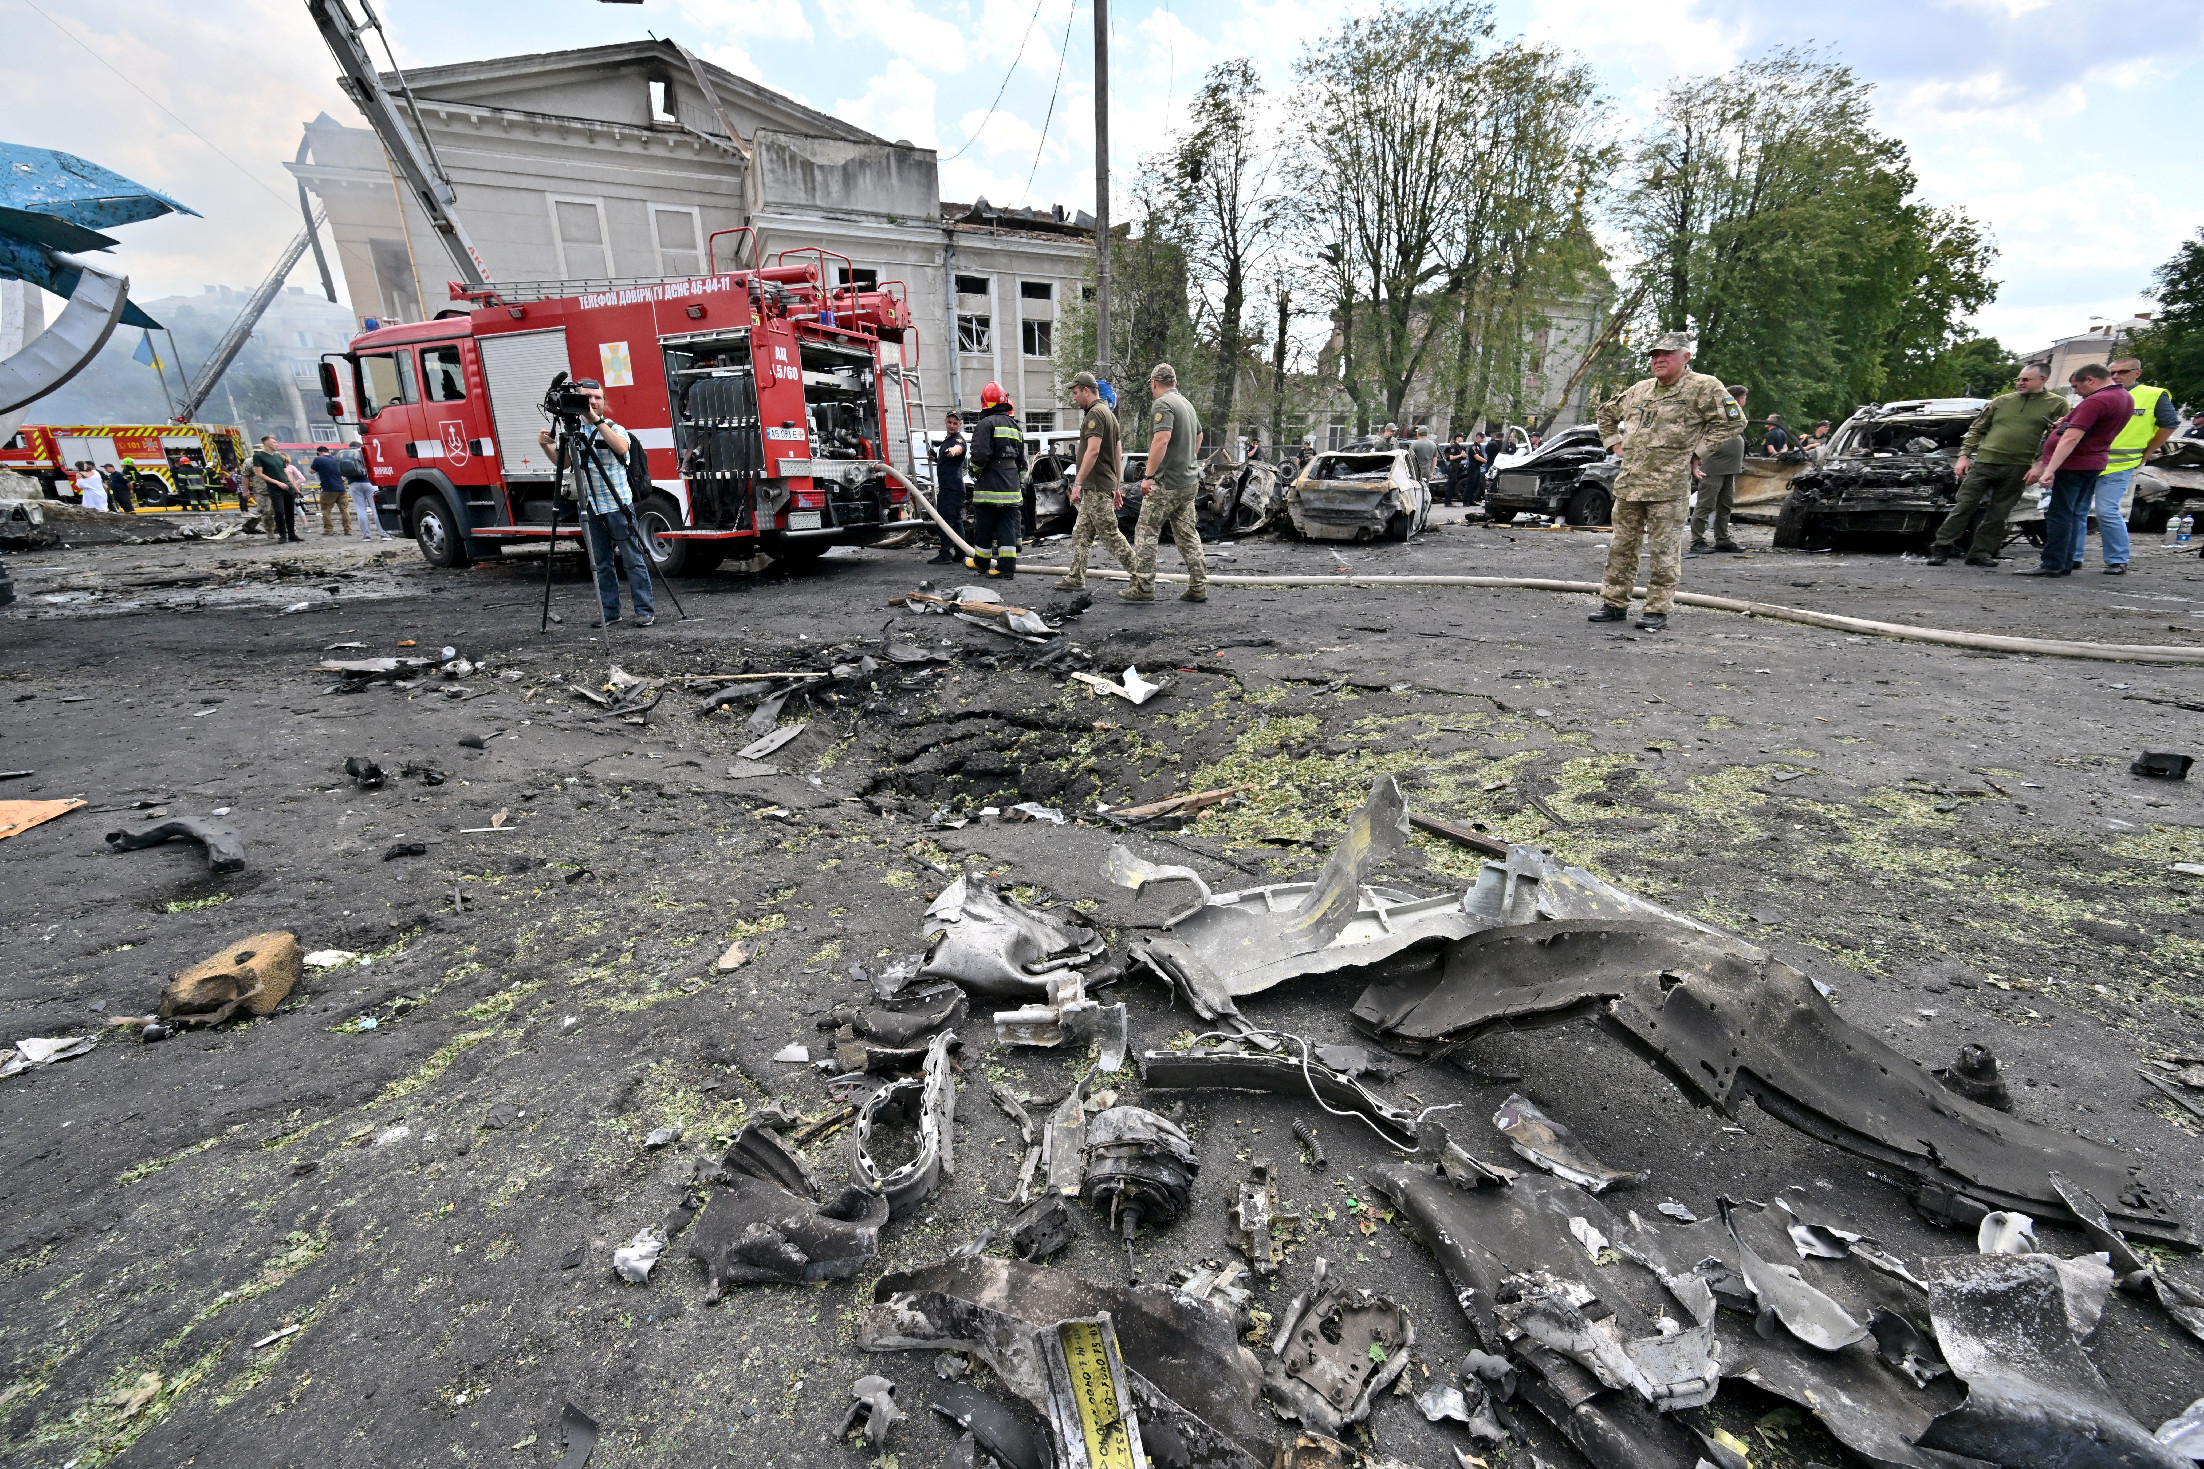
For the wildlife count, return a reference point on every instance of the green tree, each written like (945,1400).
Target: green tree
(1971,367)
(1379,117)
(2172,347)
(1150,318)
(1222,165)
(1774,219)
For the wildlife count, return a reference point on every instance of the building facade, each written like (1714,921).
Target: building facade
(2100,344)
(626,162)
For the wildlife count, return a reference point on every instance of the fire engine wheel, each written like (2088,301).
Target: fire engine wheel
(435,534)
(667,558)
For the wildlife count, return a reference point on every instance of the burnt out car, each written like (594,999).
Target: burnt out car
(1569,475)
(1886,476)
(1344,496)
(1235,499)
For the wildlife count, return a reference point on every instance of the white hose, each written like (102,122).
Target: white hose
(1945,637)
(928,506)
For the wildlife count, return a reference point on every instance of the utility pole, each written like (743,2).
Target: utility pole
(1102,185)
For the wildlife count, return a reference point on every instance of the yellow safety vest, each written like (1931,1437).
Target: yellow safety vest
(2127,450)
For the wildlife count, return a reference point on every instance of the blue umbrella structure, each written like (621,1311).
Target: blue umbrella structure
(53,207)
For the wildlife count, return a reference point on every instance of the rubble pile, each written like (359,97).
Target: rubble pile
(1616,1322)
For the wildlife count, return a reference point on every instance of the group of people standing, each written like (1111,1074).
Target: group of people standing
(993,461)
(278,484)
(2085,455)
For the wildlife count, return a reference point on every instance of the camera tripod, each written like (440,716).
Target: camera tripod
(569,431)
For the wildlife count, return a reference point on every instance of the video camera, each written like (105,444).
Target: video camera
(563,401)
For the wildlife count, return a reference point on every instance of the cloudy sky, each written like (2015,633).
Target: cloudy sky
(2069,134)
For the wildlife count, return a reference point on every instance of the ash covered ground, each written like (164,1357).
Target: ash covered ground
(1951,842)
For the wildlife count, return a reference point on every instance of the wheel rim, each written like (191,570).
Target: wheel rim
(429,531)
(654,527)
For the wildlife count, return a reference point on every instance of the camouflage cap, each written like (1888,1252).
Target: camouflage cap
(1669,342)
(1087,380)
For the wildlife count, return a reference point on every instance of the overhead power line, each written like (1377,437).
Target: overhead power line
(1062,52)
(1029,24)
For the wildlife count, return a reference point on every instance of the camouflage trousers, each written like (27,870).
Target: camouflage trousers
(1657,525)
(1097,522)
(1176,509)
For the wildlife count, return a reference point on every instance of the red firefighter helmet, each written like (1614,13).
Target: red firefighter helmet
(992,396)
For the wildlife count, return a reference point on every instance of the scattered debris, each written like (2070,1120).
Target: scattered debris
(1974,1076)
(2033,1394)
(632,1262)
(1188,1373)
(992,944)
(17,817)
(365,773)
(405,849)
(1255,1218)
(991,1425)
(734,956)
(764,1220)
(930,1103)
(44,1050)
(1041,1228)
(1334,1351)
(1068,1015)
(1308,1139)
(330,959)
(1139,1166)
(873,1399)
(1537,1138)
(251,976)
(1232,945)
(1728,1021)
(578,1433)
(1184,805)
(2162,765)
(1134,689)
(760,748)
(225,853)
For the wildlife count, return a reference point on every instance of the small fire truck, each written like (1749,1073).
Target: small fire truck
(176,463)
(758,397)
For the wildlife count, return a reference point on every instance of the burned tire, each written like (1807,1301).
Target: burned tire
(1400,527)
(2150,519)
(430,521)
(1795,530)
(1590,505)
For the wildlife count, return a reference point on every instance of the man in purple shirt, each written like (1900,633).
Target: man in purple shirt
(2074,454)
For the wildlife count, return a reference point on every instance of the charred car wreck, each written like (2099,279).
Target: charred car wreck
(1359,497)
(1570,475)
(1888,477)
(1236,499)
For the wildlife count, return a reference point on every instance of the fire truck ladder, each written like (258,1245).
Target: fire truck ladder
(416,161)
(241,330)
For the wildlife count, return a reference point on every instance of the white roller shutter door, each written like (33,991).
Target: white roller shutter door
(518,366)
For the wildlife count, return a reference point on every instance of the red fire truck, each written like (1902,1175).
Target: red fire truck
(759,396)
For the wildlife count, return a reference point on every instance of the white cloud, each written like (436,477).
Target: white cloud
(751,20)
(1650,40)
(902,27)
(897,104)
(728,56)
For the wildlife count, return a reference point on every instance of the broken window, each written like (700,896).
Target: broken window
(1036,291)
(863,277)
(975,333)
(971,285)
(1040,338)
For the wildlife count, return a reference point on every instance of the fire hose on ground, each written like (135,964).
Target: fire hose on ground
(1775,611)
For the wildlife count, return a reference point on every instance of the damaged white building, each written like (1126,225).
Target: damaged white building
(628,161)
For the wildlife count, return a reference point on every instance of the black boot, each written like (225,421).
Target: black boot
(1609,614)
(1938,556)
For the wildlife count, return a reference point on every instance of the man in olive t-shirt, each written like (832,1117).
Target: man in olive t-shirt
(1168,491)
(1095,488)
(272,483)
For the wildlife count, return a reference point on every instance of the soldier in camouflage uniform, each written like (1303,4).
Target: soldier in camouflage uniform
(1095,488)
(1168,491)
(1661,428)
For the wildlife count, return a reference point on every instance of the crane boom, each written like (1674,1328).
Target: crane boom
(241,330)
(415,162)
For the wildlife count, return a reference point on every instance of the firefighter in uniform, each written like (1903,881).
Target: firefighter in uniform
(1661,428)
(997,495)
(1096,488)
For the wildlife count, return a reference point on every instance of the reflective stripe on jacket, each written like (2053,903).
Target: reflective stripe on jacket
(997,458)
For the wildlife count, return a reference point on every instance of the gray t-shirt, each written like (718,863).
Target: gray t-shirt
(1179,470)
(1427,454)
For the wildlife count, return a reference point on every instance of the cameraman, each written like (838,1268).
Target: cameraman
(600,488)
